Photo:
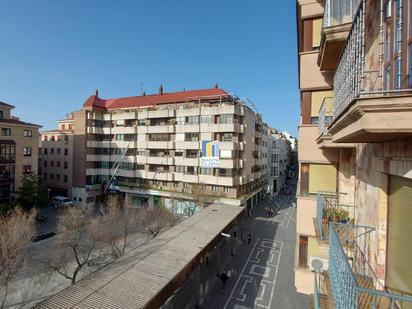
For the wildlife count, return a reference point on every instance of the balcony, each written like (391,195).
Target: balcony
(160,144)
(160,129)
(337,22)
(351,275)
(325,118)
(160,160)
(366,109)
(329,210)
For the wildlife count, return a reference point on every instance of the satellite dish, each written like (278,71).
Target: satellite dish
(317,265)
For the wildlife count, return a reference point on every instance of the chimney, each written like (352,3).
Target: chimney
(161,90)
(217,85)
(97,93)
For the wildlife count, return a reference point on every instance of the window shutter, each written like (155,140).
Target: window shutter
(322,177)
(399,266)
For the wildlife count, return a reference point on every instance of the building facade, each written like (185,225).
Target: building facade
(56,158)
(19,143)
(166,146)
(355,182)
(277,161)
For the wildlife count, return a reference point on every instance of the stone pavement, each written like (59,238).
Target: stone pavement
(260,273)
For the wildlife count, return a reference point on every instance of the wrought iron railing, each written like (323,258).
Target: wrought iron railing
(354,285)
(348,78)
(337,12)
(325,115)
(329,209)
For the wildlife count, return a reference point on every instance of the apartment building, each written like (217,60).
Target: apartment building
(277,161)
(172,143)
(18,152)
(355,158)
(56,158)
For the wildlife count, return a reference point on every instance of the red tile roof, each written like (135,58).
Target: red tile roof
(151,100)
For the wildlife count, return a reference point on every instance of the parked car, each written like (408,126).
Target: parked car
(59,201)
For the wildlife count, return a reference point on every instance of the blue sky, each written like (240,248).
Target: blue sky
(54,54)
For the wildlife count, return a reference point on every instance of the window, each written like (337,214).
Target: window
(192,120)
(58,163)
(66,151)
(45,163)
(63,126)
(180,168)
(58,176)
(28,133)
(206,171)
(191,153)
(180,120)
(316,32)
(303,251)
(45,138)
(179,152)
(45,176)
(26,169)
(226,154)
(53,138)
(226,189)
(58,151)
(206,119)
(52,163)
(27,151)
(192,137)
(322,177)
(215,188)
(140,152)
(65,165)
(316,99)
(5,131)
(52,150)
(45,151)
(228,119)
(51,176)
(1,115)
(159,137)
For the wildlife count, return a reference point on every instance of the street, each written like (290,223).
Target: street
(260,274)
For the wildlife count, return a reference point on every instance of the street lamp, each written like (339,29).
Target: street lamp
(231,242)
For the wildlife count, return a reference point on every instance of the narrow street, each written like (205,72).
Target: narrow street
(260,273)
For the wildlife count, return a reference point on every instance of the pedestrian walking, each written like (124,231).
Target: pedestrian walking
(223,277)
(249,238)
(271,212)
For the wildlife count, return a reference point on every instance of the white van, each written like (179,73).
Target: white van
(59,201)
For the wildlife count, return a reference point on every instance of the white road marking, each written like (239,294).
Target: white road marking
(275,248)
(243,269)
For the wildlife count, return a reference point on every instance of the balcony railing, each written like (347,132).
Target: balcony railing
(329,209)
(355,285)
(348,81)
(325,115)
(339,12)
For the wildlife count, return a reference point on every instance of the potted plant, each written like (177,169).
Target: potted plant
(343,216)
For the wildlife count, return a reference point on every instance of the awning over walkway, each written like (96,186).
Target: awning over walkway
(146,277)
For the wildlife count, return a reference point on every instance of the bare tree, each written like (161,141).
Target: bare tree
(116,225)
(79,244)
(16,230)
(200,196)
(156,220)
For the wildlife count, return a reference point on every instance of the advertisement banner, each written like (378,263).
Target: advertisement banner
(210,154)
